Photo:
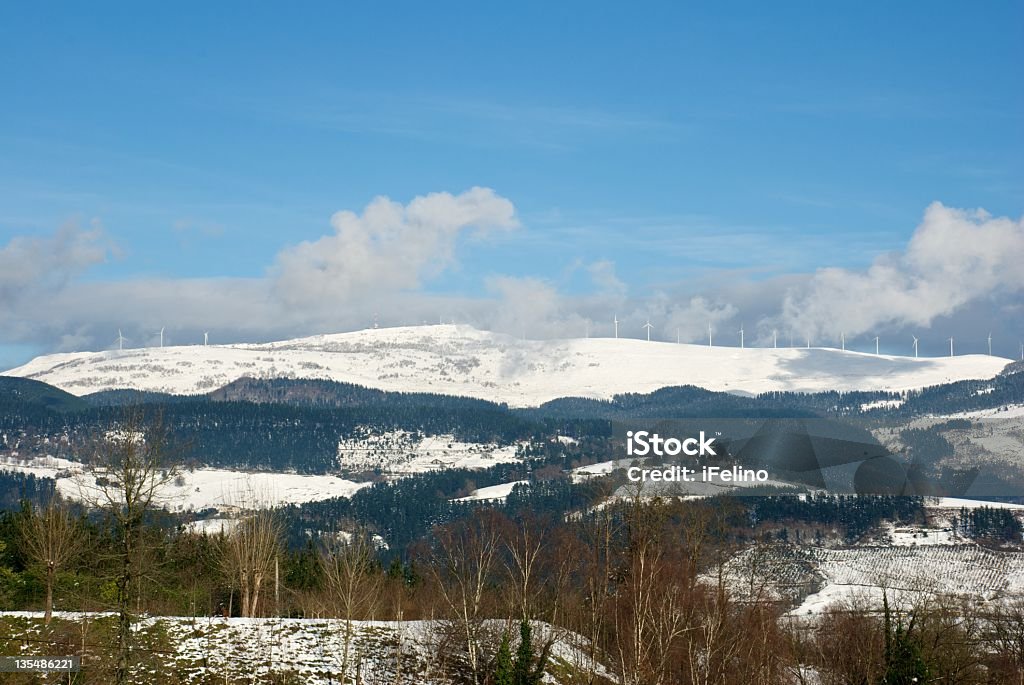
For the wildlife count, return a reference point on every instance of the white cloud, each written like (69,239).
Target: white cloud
(388,248)
(34,265)
(691,320)
(603,275)
(954,257)
(524,306)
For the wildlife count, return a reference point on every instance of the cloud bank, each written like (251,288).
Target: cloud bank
(959,270)
(954,257)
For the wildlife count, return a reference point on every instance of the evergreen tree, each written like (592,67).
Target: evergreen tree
(904,664)
(523,670)
(503,670)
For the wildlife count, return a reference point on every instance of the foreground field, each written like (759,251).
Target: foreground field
(269,650)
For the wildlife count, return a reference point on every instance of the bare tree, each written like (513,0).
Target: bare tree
(52,540)
(248,556)
(652,605)
(353,582)
(463,564)
(1007,638)
(598,541)
(524,544)
(131,464)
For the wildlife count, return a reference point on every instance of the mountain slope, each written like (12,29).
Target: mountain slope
(22,392)
(460,360)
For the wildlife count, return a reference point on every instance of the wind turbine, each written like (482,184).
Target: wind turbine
(990,344)
(842,341)
(951,347)
(648,326)
(161,337)
(775,339)
(1022,351)
(876,345)
(808,342)
(741,336)
(616,326)
(677,336)
(120,340)
(709,334)
(206,338)
(915,345)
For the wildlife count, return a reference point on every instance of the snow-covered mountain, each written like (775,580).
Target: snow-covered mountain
(461,360)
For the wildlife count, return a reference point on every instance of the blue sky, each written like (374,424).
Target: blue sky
(697,150)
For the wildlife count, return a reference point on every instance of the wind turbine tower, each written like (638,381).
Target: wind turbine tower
(741,336)
(990,344)
(915,345)
(648,326)
(206,338)
(677,336)
(120,340)
(951,347)
(842,341)
(876,345)
(775,339)
(616,326)
(161,337)
(709,334)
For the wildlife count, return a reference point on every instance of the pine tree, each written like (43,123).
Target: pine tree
(523,673)
(503,670)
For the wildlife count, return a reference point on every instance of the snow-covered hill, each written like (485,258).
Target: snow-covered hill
(460,360)
(196,489)
(817,577)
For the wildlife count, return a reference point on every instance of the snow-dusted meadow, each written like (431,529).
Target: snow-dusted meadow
(402,453)
(198,489)
(214,649)
(909,563)
(493,492)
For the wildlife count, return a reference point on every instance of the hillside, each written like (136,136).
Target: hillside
(23,393)
(460,360)
(290,650)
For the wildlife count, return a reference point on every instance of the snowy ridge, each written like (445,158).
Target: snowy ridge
(461,360)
